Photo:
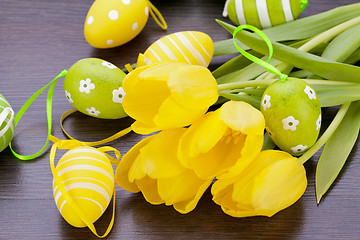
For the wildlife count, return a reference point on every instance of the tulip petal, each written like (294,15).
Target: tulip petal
(148,187)
(159,156)
(273,193)
(122,170)
(252,147)
(144,100)
(184,190)
(173,115)
(273,181)
(217,160)
(201,137)
(194,87)
(243,117)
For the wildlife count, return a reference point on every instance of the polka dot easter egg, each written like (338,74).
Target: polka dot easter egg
(94,87)
(87,176)
(292,114)
(263,13)
(191,47)
(111,23)
(7,123)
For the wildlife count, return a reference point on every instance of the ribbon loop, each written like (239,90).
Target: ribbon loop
(159,19)
(270,68)
(96,143)
(27,104)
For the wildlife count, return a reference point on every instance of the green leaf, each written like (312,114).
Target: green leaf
(299,29)
(337,150)
(333,95)
(343,45)
(253,100)
(303,60)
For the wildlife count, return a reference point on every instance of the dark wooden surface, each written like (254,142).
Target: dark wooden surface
(38,39)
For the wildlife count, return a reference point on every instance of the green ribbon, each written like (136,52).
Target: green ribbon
(270,68)
(27,104)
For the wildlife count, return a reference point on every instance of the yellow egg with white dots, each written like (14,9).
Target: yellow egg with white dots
(87,176)
(111,23)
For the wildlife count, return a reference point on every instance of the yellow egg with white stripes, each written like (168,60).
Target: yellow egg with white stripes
(263,13)
(191,47)
(88,178)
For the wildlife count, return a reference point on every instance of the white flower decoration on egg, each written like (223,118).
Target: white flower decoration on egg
(318,123)
(310,92)
(68,96)
(298,149)
(86,86)
(266,101)
(290,123)
(93,111)
(108,65)
(118,95)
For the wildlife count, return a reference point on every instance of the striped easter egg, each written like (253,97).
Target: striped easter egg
(7,123)
(190,47)
(263,13)
(88,178)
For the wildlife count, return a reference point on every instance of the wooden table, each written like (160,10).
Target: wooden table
(38,39)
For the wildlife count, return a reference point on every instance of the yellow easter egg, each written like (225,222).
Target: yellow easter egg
(88,178)
(191,47)
(111,23)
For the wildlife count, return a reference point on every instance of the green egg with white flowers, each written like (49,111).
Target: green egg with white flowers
(94,87)
(292,114)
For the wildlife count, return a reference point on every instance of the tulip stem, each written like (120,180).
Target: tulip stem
(327,134)
(267,82)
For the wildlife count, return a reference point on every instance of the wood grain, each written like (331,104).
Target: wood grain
(38,39)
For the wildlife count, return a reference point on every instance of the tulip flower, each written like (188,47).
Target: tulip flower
(168,95)
(222,139)
(274,180)
(153,168)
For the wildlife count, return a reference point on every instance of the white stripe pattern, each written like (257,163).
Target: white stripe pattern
(202,47)
(240,12)
(88,178)
(87,158)
(166,50)
(263,13)
(197,55)
(174,43)
(155,54)
(85,167)
(84,150)
(287,10)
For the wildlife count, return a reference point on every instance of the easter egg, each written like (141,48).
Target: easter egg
(111,23)
(7,123)
(191,47)
(88,178)
(263,13)
(93,87)
(292,115)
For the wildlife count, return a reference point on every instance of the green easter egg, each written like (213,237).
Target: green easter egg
(7,123)
(264,14)
(292,114)
(94,87)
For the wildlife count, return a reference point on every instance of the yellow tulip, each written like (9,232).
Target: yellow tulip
(274,180)
(152,167)
(221,140)
(168,95)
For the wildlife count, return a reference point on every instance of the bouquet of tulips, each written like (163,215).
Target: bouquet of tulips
(191,148)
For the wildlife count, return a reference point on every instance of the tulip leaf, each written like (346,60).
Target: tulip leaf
(337,150)
(333,95)
(303,60)
(298,29)
(251,99)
